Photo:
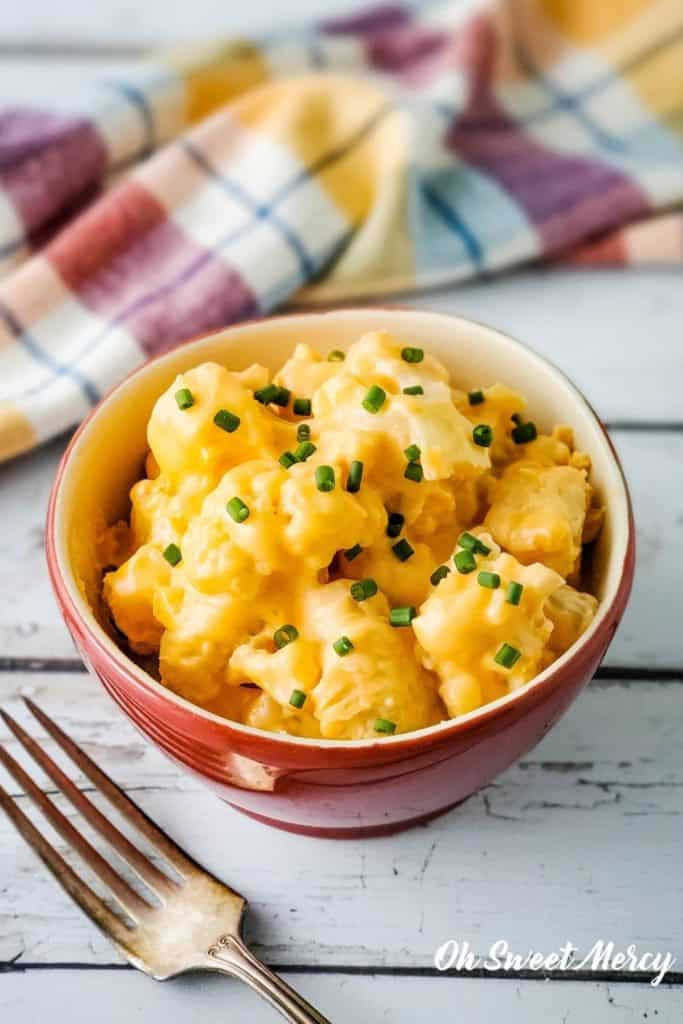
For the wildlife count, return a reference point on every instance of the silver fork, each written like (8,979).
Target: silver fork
(196,922)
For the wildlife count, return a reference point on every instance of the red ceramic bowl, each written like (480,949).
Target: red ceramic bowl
(326,787)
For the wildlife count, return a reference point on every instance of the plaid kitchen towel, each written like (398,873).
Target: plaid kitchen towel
(412,145)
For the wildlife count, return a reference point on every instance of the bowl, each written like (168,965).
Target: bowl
(328,787)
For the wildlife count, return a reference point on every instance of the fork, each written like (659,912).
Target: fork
(193,923)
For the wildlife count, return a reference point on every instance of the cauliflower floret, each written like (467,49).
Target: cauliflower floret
(538,514)
(431,420)
(189,441)
(379,678)
(305,371)
(129,591)
(500,404)
(462,625)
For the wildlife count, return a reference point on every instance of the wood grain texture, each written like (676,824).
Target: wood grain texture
(30,626)
(557,848)
(347,1000)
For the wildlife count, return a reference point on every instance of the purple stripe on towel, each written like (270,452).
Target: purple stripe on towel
(565,197)
(384,16)
(47,162)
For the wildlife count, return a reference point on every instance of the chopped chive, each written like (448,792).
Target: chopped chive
(395,523)
(237,510)
(324,478)
(304,450)
(353,481)
(287,459)
(517,418)
(414,472)
(336,356)
(385,726)
(353,552)
(464,561)
(267,394)
(363,589)
(414,389)
(184,398)
(412,453)
(482,435)
(524,432)
(402,616)
(281,397)
(301,407)
(514,592)
(226,420)
(475,397)
(402,550)
(298,699)
(303,432)
(172,554)
(489,579)
(439,574)
(285,635)
(374,398)
(412,355)
(343,646)
(473,544)
(507,656)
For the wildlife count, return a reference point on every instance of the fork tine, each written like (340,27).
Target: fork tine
(77,889)
(127,897)
(157,880)
(126,808)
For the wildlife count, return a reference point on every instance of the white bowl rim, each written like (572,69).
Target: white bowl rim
(129,666)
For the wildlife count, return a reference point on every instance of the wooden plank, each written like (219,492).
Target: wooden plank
(579,841)
(30,626)
(342,998)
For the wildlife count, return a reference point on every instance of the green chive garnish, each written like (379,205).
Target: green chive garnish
(524,432)
(439,574)
(473,544)
(395,523)
(402,616)
(412,453)
(285,635)
(353,552)
(363,589)
(385,726)
(343,646)
(402,550)
(286,460)
(303,432)
(304,450)
(464,562)
(482,435)
(302,407)
(298,699)
(414,389)
(514,592)
(517,418)
(353,481)
(475,397)
(414,472)
(267,394)
(184,398)
(374,398)
(336,356)
(507,656)
(172,554)
(412,355)
(324,478)
(489,579)
(226,420)
(237,510)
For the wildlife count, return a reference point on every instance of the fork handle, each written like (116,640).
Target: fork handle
(230,956)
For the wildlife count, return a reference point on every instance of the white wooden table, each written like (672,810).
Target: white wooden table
(580,841)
